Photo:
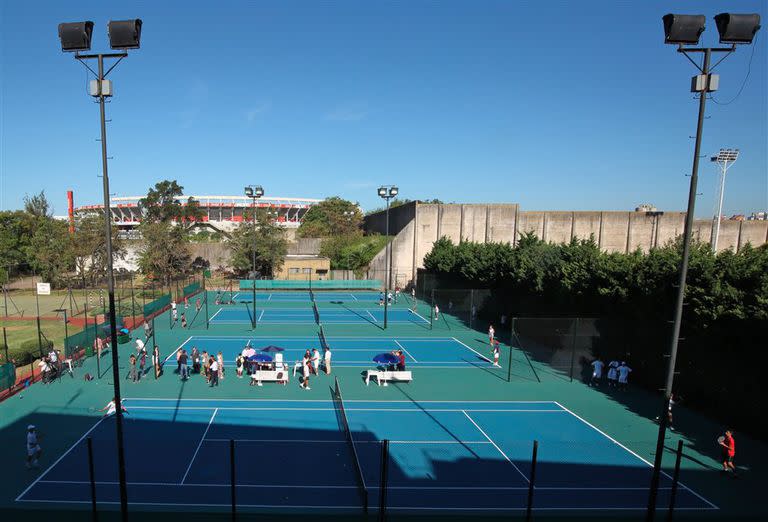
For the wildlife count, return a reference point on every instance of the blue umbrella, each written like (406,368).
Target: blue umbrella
(260,357)
(272,348)
(385,358)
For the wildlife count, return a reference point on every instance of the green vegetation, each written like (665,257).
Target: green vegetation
(332,217)
(352,252)
(397,202)
(725,318)
(266,237)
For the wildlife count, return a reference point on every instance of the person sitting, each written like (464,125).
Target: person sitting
(400,361)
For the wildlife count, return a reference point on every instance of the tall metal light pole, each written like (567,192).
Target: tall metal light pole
(724,159)
(387,192)
(254,192)
(76,37)
(682,30)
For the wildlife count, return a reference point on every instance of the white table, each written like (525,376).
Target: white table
(280,376)
(382,376)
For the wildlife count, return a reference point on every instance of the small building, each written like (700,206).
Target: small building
(304,267)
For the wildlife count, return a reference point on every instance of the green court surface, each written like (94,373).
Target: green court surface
(461,433)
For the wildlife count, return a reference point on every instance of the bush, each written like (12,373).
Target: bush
(28,351)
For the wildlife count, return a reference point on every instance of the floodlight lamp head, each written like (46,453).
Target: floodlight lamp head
(683,29)
(124,34)
(258,191)
(728,155)
(383,192)
(393,191)
(737,28)
(75,36)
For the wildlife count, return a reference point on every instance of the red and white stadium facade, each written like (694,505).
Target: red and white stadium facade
(220,212)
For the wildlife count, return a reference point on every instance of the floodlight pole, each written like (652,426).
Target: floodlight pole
(111,280)
(387,269)
(723,171)
(682,276)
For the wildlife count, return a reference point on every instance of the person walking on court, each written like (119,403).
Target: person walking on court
(184,368)
(174,312)
(33,447)
(491,335)
(132,368)
(316,361)
(220,360)
(613,373)
(327,360)
(597,372)
(142,362)
(624,372)
(239,365)
(397,294)
(147,330)
(305,364)
(728,448)
(183,320)
(437,312)
(496,354)
(669,412)
(195,360)
(214,372)
(206,370)
(156,361)
(198,305)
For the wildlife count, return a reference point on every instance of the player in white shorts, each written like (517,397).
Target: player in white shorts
(597,372)
(33,447)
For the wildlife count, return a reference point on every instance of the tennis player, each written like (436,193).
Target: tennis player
(597,372)
(33,447)
(491,334)
(327,360)
(316,361)
(305,362)
(728,446)
(111,408)
(624,372)
(496,354)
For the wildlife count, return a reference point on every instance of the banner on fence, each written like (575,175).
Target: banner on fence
(191,289)
(7,376)
(157,305)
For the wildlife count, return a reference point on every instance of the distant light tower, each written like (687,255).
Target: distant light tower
(387,192)
(724,159)
(254,192)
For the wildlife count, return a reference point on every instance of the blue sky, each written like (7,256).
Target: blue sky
(553,105)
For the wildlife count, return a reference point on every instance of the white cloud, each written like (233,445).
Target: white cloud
(350,111)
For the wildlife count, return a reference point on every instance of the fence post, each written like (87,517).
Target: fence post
(206,310)
(92,478)
(675,479)
(133,305)
(471,309)
(532,481)
(232,478)
(573,345)
(509,365)
(5,343)
(383,480)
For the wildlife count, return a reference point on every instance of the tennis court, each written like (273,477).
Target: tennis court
(355,352)
(351,316)
(296,455)
(244,296)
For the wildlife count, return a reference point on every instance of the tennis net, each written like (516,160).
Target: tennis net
(316,311)
(342,415)
(323,341)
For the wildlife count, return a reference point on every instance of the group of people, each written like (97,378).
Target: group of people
(210,366)
(175,312)
(310,365)
(391,299)
(222,300)
(618,374)
(140,358)
(53,365)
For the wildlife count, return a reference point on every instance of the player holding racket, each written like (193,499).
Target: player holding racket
(111,408)
(728,448)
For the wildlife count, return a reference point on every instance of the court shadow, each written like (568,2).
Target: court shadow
(364,318)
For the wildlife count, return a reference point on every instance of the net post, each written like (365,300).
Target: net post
(675,481)
(532,481)
(432,310)
(573,345)
(92,479)
(383,480)
(509,364)
(232,480)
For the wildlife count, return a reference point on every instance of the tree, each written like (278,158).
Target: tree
(269,241)
(163,204)
(37,205)
(165,251)
(352,252)
(332,217)
(50,249)
(89,246)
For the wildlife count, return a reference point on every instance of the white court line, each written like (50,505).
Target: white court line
(388,410)
(44,473)
(345,401)
(417,314)
(214,315)
(342,337)
(177,349)
(233,297)
(344,441)
(372,317)
(495,446)
(468,348)
(406,351)
(353,297)
(269,298)
(619,444)
(260,316)
(199,444)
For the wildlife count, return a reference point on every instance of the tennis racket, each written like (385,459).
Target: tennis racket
(720,440)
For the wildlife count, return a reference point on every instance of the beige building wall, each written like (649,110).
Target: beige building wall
(304,268)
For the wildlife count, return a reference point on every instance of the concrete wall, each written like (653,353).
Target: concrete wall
(613,231)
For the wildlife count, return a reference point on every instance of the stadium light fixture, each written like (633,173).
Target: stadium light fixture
(724,159)
(254,192)
(683,30)
(387,192)
(737,28)
(76,37)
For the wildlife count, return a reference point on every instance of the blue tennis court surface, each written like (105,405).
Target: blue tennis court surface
(425,352)
(294,455)
(307,316)
(245,296)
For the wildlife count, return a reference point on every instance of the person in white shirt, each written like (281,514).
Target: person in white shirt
(389,298)
(496,353)
(214,372)
(491,334)
(33,447)
(316,361)
(327,361)
(597,372)
(45,369)
(437,312)
(624,371)
(52,356)
(613,373)
(305,362)
(139,345)
(111,408)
